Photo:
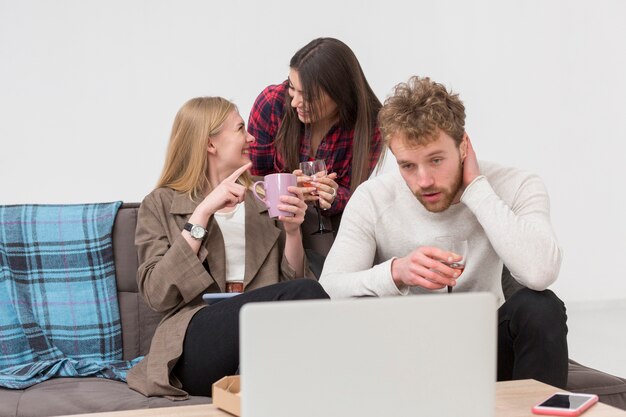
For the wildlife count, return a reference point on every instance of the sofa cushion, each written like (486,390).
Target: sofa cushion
(124,251)
(610,389)
(61,396)
(60,315)
(138,320)
(9,401)
(138,323)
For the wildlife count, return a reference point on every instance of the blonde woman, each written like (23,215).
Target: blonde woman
(202,231)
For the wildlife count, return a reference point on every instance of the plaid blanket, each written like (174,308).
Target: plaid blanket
(59,314)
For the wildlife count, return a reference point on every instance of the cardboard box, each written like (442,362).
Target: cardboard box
(227,394)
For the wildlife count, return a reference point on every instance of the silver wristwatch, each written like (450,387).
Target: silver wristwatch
(195,230)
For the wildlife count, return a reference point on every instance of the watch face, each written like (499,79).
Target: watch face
(197,232)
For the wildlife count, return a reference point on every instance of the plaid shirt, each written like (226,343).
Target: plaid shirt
(335,148)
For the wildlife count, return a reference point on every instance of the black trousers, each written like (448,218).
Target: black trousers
(211,346)
(532,338)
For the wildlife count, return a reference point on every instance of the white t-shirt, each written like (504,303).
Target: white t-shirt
(233,228)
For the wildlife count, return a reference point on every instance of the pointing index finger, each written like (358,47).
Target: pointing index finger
(239,171)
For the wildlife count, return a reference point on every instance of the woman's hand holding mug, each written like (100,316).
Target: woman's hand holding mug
(292,204)
(283,198)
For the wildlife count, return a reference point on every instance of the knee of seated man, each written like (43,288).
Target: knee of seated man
(543,308)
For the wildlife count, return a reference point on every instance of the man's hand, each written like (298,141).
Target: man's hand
(470,163)
(423,268)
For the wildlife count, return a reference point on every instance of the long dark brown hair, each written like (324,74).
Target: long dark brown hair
(329,65)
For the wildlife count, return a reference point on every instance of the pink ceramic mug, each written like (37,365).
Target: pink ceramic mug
(275,185)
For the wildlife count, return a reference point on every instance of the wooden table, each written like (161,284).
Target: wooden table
(513,399)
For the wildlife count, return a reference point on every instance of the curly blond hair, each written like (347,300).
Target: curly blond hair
(418,109)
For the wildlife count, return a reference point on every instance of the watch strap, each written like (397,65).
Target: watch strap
(189,226)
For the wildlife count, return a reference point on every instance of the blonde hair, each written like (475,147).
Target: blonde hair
(185,168)
(419,108)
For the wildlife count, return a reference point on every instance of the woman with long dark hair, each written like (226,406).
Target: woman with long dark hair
(324,110)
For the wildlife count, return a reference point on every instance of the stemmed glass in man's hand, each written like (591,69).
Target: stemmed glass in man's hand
(459,247)
(314,170)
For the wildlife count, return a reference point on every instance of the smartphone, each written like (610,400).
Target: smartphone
(214,297)
(565,404)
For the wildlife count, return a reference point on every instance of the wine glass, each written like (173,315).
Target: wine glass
(456,245)
(315,169)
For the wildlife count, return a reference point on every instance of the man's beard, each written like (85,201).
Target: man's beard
(447,194)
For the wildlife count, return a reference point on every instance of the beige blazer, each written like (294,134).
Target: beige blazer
(172,279)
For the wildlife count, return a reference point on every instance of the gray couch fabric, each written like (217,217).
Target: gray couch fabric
(62,396)
(86,395)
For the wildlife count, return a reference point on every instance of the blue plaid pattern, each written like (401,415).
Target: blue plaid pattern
(59,314)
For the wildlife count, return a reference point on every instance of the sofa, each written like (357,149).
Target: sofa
(62,396)
(59,396)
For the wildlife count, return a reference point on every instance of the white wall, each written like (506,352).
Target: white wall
(89,89)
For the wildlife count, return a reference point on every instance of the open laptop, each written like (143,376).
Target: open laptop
(426,355)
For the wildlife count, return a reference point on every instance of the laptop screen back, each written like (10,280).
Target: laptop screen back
(427,355)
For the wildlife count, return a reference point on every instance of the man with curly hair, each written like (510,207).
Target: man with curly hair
(388,246)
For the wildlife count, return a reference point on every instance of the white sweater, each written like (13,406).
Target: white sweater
(504,214)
